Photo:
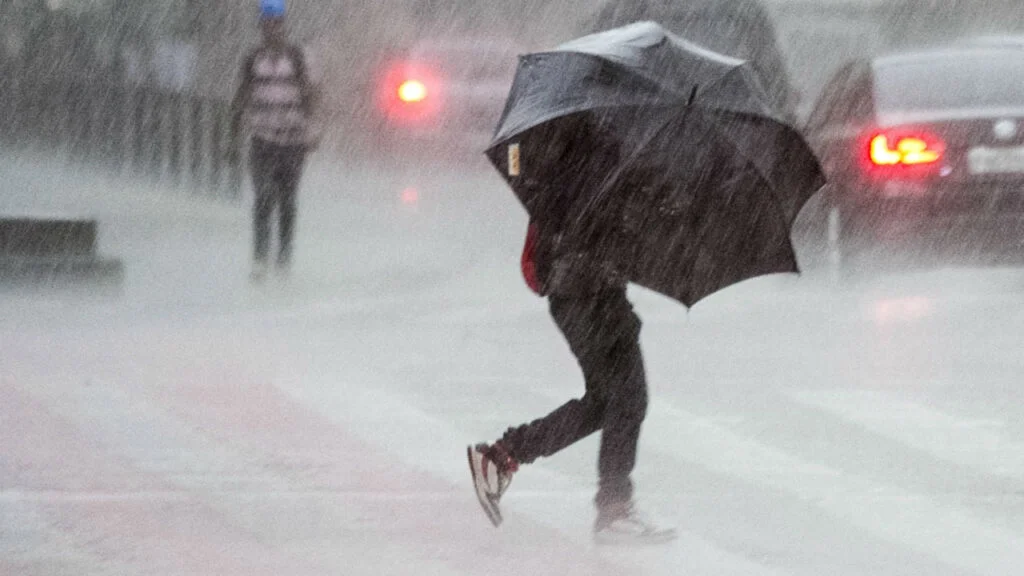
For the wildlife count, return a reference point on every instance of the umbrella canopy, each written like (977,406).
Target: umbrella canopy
(693,179)
(637,65)
(738,28)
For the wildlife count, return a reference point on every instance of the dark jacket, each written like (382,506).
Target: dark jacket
(573,242)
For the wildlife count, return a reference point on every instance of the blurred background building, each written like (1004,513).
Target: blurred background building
(194,46)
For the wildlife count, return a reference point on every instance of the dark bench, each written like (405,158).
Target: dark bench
(43,249)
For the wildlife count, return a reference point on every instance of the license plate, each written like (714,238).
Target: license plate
(996,160)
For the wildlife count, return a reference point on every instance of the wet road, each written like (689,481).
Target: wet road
(192,423)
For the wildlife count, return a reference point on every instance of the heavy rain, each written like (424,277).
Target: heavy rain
(716,287)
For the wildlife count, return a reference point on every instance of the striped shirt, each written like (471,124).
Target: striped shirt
(279,105)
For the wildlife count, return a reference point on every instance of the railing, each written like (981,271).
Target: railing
(176,139)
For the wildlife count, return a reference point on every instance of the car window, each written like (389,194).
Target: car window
(859,102)
(847,99)
(827,108)
(952,81)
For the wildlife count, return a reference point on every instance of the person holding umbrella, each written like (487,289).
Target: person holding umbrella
(642,158)
(566,260)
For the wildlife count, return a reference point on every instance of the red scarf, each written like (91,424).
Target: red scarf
(528,260)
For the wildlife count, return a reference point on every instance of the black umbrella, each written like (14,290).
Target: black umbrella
(738,28)
(692,174)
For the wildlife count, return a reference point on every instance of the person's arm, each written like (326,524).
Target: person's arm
(314,85)
(312,93)
(240,102)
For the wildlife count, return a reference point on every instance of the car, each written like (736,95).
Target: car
(924,149)
(443,95)
(738,28)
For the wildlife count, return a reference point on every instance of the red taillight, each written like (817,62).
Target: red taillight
(895,150)
(412,91)
(907,150)
(409,93)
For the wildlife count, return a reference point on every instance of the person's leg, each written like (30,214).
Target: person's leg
(560,429)
(606,341)
(261,162)
(579,320)
(625,386)
(290,175)
(622,383)
(492,465)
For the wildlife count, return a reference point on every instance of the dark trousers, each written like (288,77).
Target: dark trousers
(276,171)
(604,334)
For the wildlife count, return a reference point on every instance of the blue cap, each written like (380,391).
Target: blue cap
(272,8)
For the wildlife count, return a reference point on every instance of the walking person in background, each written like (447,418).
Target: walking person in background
(277,99)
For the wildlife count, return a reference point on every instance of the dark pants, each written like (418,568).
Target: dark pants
(604,334)
(276,171)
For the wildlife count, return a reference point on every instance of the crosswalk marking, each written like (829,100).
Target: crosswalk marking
(541,492)
(942,530)
(981,444)
(210,470)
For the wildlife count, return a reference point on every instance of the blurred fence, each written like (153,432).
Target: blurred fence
(175,139)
